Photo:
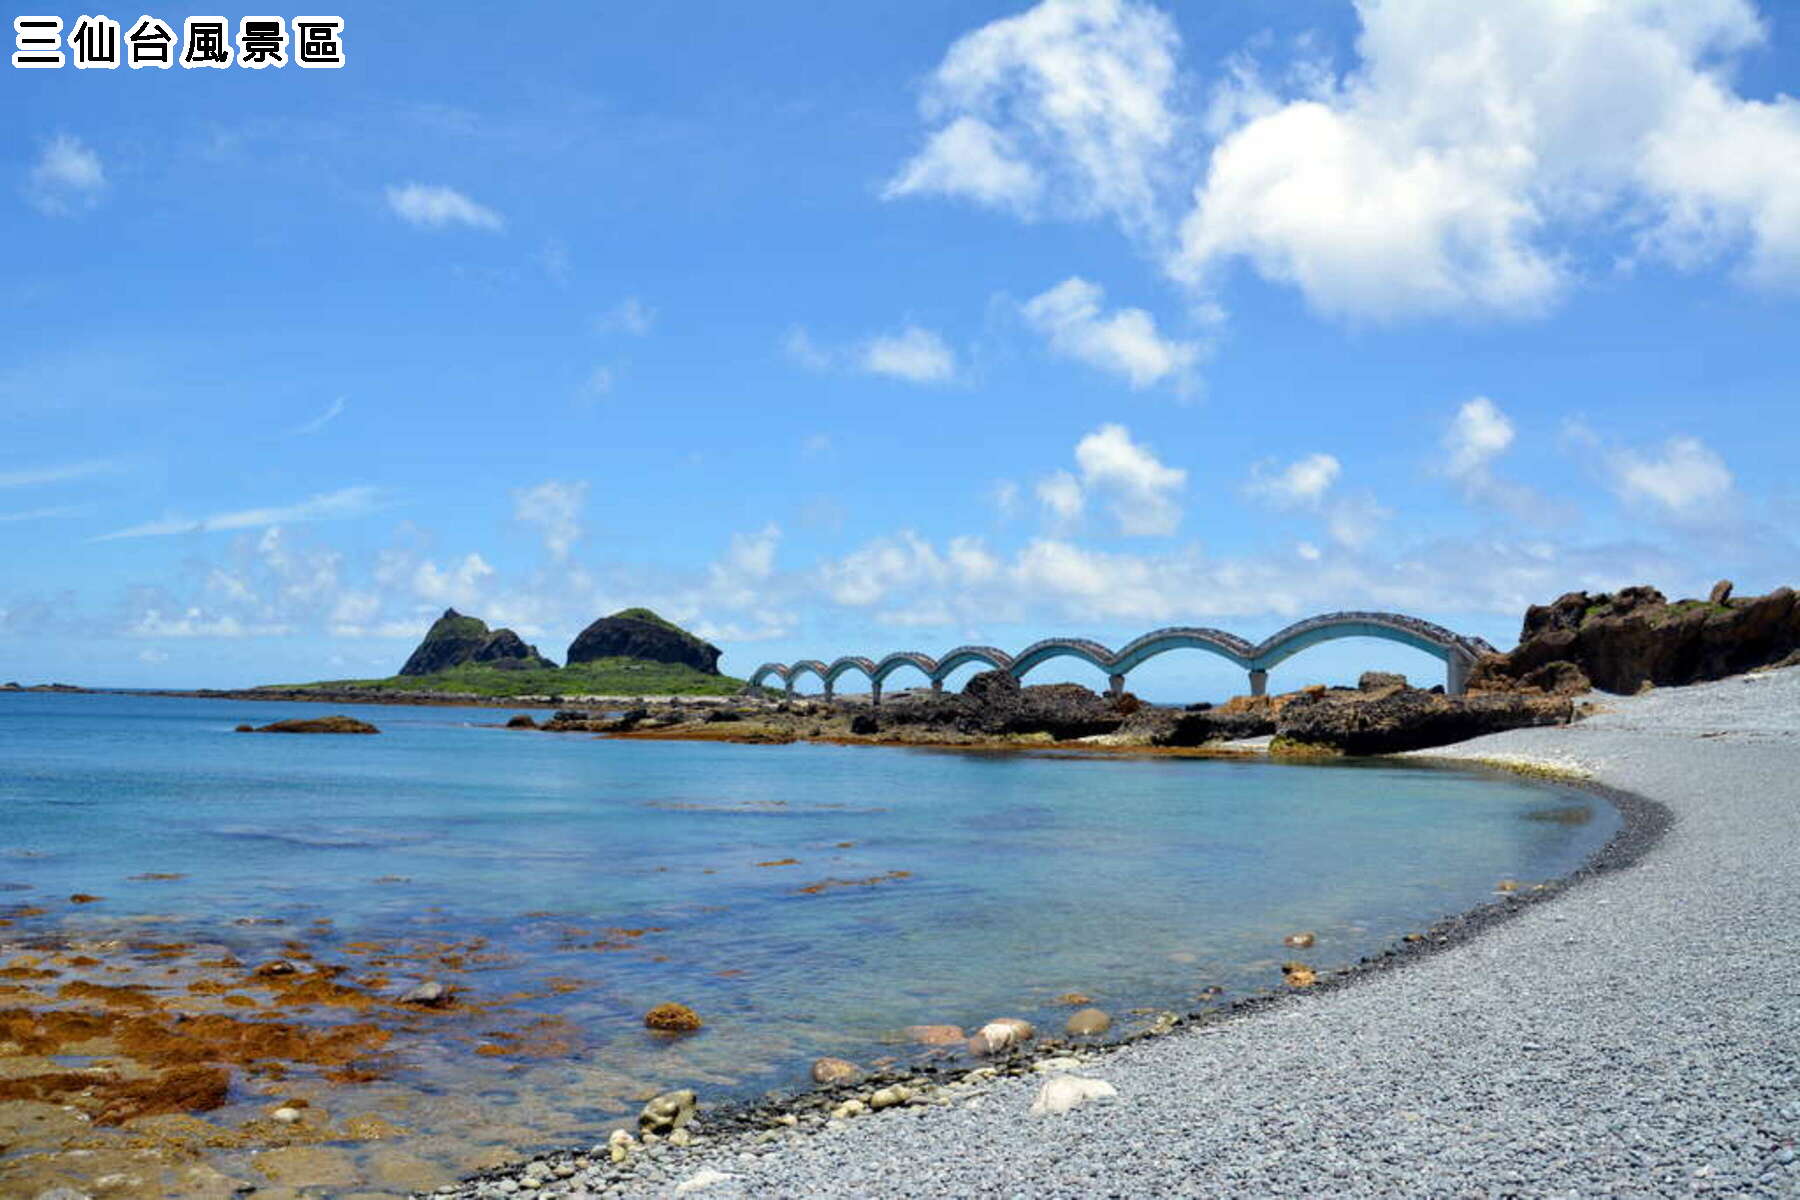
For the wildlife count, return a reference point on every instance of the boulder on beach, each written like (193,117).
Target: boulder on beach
(454,640)
(641,634)
(1061,1093)
(668,1112)
(333,724)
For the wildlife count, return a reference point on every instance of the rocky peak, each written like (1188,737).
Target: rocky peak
(454,639)
(640,633)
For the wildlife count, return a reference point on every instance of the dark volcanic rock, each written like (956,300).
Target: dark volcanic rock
(1626,639)
(994,703)
(1219,725)
(454,639)
(640,633)
(337,724)
(1406,719)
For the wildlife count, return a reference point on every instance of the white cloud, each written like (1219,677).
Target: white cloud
(737,580)
(1685,478)
(914,354)
(1142,491)
(345,502)
(555,506)
(1061,495)
(1063,109)
(460,583)
(1479,434)
(816,444)
(1124,343)
(629,315)
(44,514)
(799,346)
(319,422)
(598,383)
(1301,484)
(60,473)
(1388,193)
(433,206)
(970,158)
(67,178)
(1005,495)
(1354,521)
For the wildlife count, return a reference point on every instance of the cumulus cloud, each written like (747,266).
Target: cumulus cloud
(433,206)
(1301,484)
(1061,110)
(345,502)
(1604,134)
(1387,193)
(67,178)
(1126,342)
(1061,495)
(1682,478)
(1141,491)
(554,506)
(1476,438)
(914,354)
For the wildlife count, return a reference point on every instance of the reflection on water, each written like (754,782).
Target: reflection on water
(564,885)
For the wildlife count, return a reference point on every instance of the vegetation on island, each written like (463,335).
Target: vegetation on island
(601,677)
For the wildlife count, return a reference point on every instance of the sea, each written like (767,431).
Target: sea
(803,900)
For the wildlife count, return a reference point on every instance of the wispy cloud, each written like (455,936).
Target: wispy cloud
(66,178)
(629,315)
(319,422)
(431,206)
(345,502)
(44,514)
(62,473)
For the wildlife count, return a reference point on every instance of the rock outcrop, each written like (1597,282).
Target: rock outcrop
(1621,641)
(335,724)
(994,703)
(640,633)
(1404,718)
(454,639)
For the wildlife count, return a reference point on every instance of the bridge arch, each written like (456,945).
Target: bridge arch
(924,663)
(1041,652)
(767,669)
(1228,646)
(1456,652)
(807,666)
(962,656)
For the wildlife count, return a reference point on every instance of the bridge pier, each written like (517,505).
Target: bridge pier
(1115,686)
(937,687)
(1456,675)
(875,694)
(1259,683)
(829,689)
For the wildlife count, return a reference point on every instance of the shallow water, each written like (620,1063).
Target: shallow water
(804,899)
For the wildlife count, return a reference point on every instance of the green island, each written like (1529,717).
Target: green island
(633,652)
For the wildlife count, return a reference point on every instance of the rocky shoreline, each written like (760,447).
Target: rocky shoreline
(747,1132)
(1585,1052)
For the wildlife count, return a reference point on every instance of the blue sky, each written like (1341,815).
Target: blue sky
(850,328)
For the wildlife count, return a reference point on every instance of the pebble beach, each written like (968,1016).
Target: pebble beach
(1634,1035)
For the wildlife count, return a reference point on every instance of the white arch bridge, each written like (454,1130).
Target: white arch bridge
(1457,652)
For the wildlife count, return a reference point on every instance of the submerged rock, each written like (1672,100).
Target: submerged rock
(935,1035)
(1088,1022)
(835,1071)
(429,994)
(672,1018)
(333,724)
(521,721)
(1299,941)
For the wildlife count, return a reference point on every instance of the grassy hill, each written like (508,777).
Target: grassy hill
(601,677)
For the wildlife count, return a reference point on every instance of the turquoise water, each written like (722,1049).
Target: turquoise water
(957,887)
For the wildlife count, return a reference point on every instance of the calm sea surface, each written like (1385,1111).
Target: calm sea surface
(805,900)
